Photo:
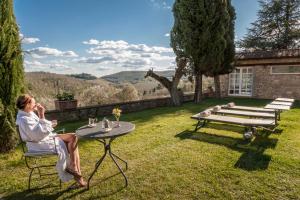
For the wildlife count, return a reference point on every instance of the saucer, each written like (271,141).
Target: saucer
(107,129)
(91,125)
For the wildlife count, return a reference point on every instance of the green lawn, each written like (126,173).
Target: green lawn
(167,160)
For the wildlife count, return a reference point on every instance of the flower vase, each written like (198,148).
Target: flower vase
(117,122)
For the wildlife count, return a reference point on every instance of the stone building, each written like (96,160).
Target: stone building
(265,75)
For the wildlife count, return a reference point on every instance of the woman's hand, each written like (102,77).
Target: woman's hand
(40,110)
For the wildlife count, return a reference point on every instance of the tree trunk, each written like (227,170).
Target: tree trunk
(217,86)
(198,88)
(175,96)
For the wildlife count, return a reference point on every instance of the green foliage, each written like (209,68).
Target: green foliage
(227,63)
(277,26)
(8,136)
(204,32)
(84,76)
(65,96)
(201,27)
(11,73)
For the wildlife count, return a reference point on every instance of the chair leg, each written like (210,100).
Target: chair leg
(39,172)
(59,184)
(29,178)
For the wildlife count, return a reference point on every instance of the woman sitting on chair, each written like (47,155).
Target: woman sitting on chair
(36,131)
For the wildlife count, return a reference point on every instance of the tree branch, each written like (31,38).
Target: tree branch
(163,80)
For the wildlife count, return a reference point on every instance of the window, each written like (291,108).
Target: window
(240,81)
(288,69)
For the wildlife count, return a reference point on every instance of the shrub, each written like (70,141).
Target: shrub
(65,96)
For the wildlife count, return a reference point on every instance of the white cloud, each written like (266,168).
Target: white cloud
(28,40)
(46,51)
(95,59)
(35,65)
(58,66)
(103,57)
(124,55)
(91,41)
(167,35)
(160,4)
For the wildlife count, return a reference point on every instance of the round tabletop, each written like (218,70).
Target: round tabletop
(97,132)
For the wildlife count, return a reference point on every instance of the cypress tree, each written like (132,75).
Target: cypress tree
(277,26)
(226,58)
(11,74)
(203,27)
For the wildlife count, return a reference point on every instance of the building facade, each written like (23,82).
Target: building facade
(265,75)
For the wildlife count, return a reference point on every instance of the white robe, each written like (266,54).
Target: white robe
(38,135)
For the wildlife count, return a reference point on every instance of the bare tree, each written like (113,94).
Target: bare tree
(171,85)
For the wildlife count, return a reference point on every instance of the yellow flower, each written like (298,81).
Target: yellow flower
(116,112)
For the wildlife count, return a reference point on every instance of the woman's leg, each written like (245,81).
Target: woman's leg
(77,160)
(71,143)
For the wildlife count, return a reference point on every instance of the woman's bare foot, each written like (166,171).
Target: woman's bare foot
(81,182)
(75,173)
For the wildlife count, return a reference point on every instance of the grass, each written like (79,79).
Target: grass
(167,160)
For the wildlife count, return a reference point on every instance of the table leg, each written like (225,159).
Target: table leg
(114,155)
(120,169)
(98,163)
(107,148)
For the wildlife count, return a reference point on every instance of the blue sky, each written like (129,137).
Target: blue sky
(104,36)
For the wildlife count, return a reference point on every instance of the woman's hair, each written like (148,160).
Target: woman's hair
(23,100)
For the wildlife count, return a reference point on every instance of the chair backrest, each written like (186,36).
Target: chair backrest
(21,140)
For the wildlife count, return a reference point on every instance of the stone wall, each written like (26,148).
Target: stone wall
(270,86)
(105,110)
(267,85)
(224,83)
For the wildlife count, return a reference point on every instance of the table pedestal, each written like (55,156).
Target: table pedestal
(107,149)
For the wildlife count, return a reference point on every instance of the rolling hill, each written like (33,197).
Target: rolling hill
(44,86)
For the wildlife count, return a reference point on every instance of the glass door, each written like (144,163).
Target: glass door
(240,81)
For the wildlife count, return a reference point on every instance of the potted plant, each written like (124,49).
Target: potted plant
(65,101)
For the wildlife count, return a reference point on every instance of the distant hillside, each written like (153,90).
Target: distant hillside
(133,76)
(119,87)
(44,86)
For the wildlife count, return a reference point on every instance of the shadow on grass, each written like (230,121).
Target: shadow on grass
(252,158)
(95,184)
(36,193)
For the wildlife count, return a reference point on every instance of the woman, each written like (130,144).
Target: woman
(37,132)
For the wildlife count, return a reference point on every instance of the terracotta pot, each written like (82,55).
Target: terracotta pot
(65,105)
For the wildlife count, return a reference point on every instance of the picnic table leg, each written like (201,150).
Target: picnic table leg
(200,124)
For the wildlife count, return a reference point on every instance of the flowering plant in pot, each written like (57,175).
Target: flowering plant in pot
(65,101)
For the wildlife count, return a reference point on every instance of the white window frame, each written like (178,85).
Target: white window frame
(240,83)
(271,69)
